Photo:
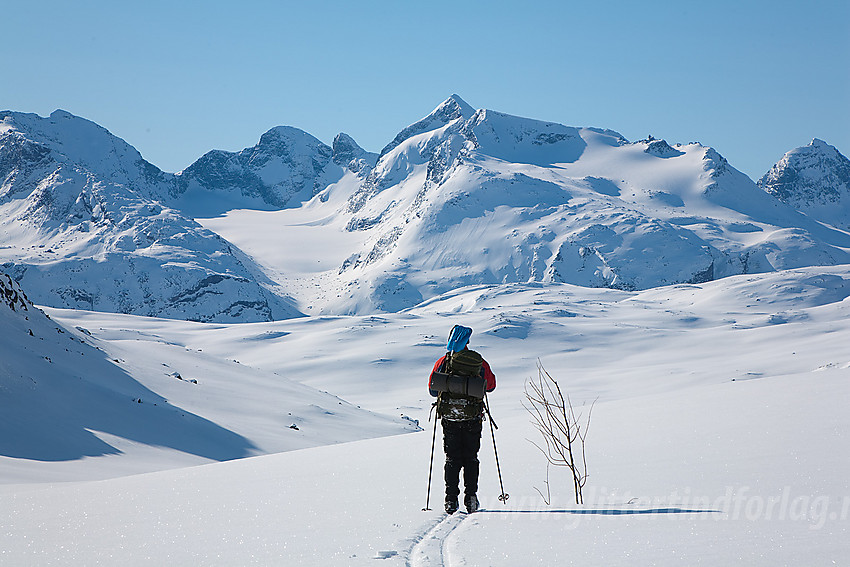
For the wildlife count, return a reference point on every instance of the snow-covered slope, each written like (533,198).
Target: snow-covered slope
(467,197)
(64,399)
(714,436)
(140,401)
(30,141)
(814,179)
(79,229)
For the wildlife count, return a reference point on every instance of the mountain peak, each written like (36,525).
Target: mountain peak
(285,168)
(281,137)
(814,179)
(343,143)
(815,147)
(348,153)
(79,141)
(455,107)
(63,114)
(449,110)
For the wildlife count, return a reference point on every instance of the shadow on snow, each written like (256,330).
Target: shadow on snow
(54,413)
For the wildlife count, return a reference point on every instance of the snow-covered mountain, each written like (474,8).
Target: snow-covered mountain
(814,179)
(31,142)
(79,228)
(461,197)
(348,154)
(287,167)
(465,197)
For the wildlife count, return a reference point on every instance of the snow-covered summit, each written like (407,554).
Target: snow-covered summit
(80,143)
(348,154)
(451,109)
(814,179)
(287,167)
(81,229)
(483,198)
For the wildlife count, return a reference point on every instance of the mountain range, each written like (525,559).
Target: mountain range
(462,197)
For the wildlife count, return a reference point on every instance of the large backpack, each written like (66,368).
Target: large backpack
(456,406)
(464,363)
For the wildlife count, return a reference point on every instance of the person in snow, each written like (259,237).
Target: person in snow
(461,417)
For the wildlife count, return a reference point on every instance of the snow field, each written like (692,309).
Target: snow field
(716,438)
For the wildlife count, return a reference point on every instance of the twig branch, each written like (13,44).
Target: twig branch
(562,429)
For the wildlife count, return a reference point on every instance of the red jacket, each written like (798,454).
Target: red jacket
(487,374)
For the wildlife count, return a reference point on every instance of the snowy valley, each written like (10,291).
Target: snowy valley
(227,365)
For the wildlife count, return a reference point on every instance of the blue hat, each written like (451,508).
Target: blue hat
(458,338)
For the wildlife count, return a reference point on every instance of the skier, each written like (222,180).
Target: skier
(461,417)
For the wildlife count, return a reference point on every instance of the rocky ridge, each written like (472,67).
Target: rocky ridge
(814,179)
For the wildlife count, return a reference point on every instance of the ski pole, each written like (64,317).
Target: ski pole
(489,416)
(504,495)
(431,467)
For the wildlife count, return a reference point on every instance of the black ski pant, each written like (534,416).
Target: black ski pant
(461,441)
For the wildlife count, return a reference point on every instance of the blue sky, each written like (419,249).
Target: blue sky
(753,79)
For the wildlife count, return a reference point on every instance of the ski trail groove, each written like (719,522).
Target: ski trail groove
(428,551)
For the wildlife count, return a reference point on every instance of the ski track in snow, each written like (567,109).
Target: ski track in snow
(430,549)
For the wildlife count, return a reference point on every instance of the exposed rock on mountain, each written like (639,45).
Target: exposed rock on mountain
(79,229)
(449,111)
(11,294)
(287,167)
(347,154)
(814,179)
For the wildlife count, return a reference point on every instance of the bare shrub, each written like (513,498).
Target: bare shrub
(563,430)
